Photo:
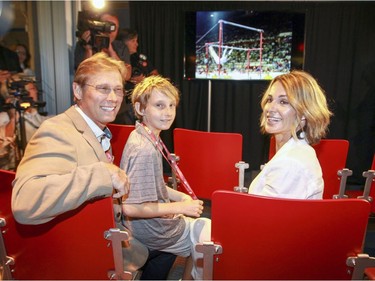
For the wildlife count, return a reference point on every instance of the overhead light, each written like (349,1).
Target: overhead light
(98,4)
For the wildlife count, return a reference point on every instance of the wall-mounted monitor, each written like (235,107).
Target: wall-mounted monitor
(242,45)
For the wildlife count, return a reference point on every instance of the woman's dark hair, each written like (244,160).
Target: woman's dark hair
(28,55)
(126,34)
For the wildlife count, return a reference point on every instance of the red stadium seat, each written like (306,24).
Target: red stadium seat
(256,237)
(208,159)
(120,134)
(370,273)
(71,246)
(332,154)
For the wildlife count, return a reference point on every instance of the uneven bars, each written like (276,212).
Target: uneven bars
(243,26)
(234,48)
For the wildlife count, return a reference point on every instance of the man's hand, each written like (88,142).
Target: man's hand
(4,75)
(137,79)
(86,37)
(120,183)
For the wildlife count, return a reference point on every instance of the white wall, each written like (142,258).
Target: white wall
(55,22)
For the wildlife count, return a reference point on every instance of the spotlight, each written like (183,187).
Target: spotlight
(98,4)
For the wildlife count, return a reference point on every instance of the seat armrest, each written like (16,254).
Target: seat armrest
(209,249)
(360,263)
(116,236)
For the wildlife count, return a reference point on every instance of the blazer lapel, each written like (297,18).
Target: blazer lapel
(87,133)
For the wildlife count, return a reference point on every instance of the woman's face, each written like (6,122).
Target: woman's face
(132,45)
(280,115)
(21,52)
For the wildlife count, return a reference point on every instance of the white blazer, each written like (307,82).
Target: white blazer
(294,172)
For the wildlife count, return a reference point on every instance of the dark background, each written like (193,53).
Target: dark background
(339,52)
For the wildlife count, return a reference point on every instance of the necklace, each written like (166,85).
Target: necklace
(167,156)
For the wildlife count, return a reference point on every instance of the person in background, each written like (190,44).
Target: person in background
(141,68)
(5,75)
(116,49)
(24,59)
(7,131)
(159,216)
(296,114)
(9,61)
(33,119)
(9,66)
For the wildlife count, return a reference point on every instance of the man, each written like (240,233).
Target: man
(116,49)
(67,158)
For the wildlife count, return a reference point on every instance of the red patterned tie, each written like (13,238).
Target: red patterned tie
(107,138)
(109,155)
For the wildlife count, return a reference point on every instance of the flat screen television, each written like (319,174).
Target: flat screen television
(242,44)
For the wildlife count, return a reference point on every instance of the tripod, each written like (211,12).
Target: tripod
(21,133)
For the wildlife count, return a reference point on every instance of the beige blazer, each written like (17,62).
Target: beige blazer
(63,166)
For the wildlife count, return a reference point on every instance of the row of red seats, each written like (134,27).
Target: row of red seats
(253,237)
(207,160)
(314,238)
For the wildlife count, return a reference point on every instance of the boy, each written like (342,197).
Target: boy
(159,216)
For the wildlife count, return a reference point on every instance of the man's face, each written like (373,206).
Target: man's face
(32,90)
(101,108)
(114,20)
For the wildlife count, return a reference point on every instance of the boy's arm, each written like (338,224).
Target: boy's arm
(177,196)
(192,208)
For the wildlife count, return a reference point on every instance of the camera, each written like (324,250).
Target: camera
(88,21)
(21,99)
(139,65)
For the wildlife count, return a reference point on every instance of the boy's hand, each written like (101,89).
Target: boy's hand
(192,208)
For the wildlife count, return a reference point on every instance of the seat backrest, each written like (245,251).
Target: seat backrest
(332,154)
(207,159)
(120,134)
(372,191)
(71,246)
(285,239)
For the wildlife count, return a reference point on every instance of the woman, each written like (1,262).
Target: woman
(296,114)
(24,59)
(141,68)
